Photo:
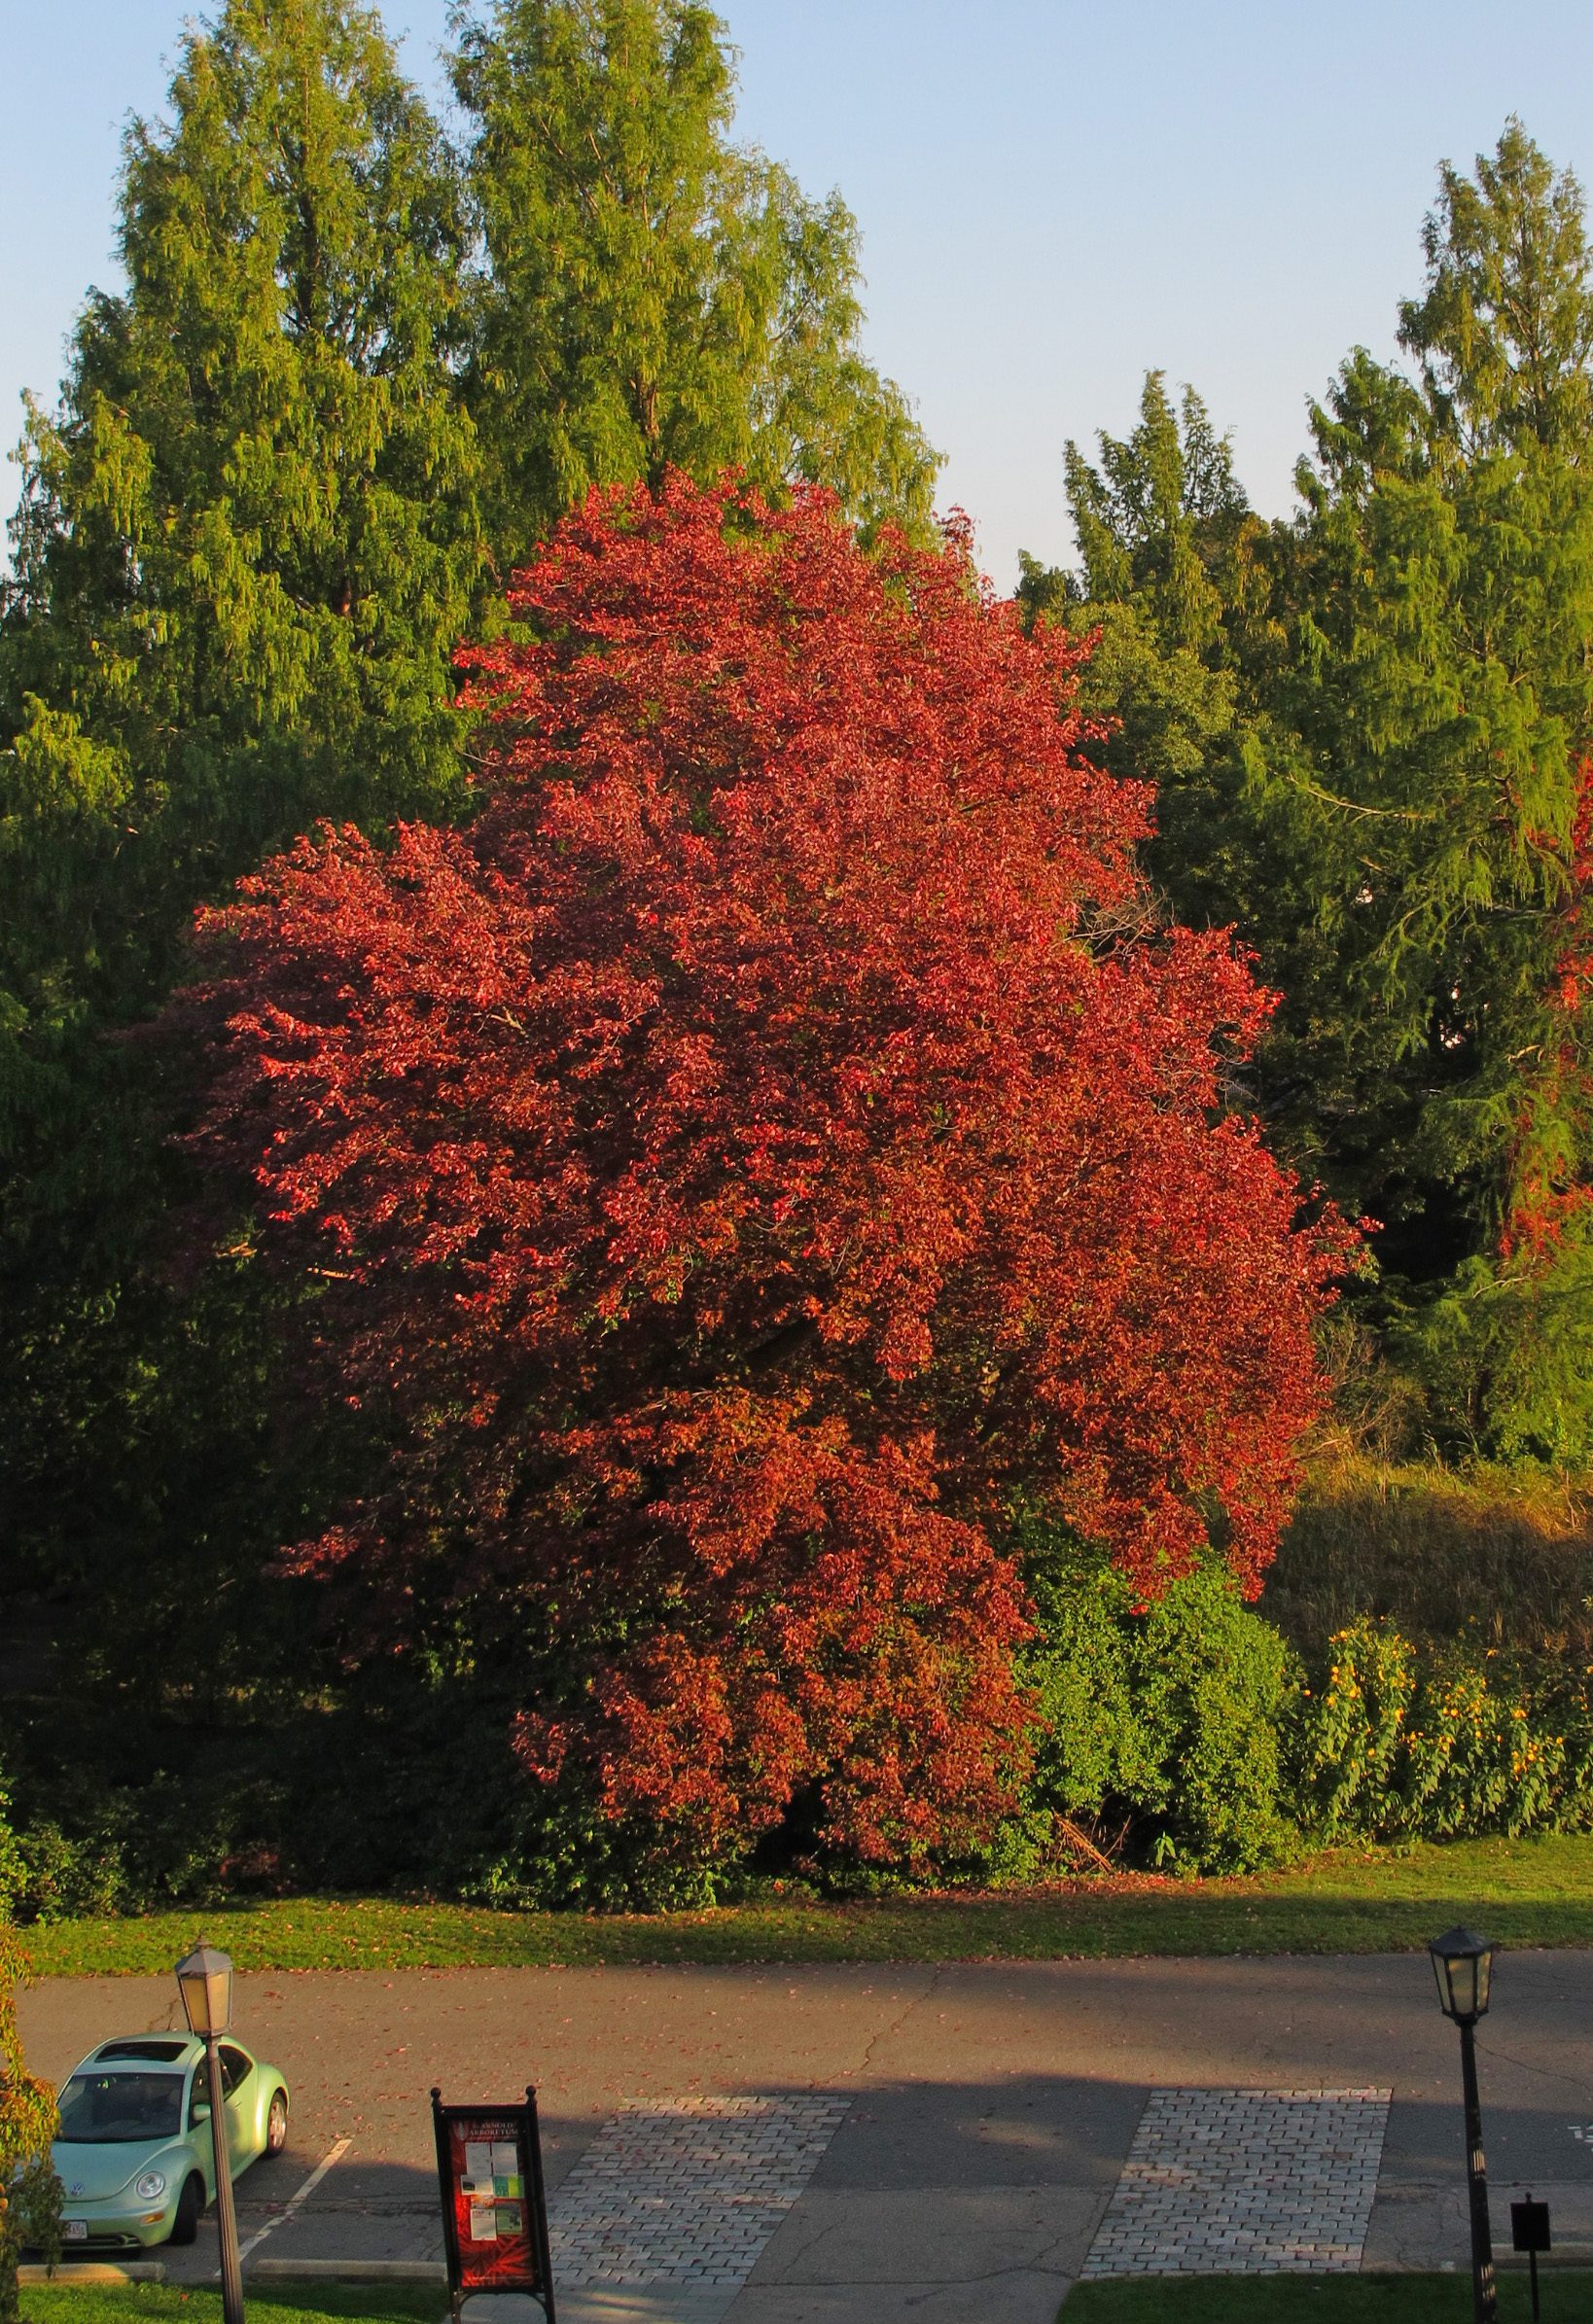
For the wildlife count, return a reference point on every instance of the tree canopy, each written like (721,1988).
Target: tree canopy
(753,1155)
(656,296)
(1375,719)
(248,542)
(353,374)
(762,1128)
(294,456)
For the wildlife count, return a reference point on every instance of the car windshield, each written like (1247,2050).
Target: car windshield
(117,2109)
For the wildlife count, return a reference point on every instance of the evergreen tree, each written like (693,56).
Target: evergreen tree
(1161,510)
(1167,541)
(1384,783)
(1504,329)
(654,295)
(247,542)
(246,547)
(1427,759)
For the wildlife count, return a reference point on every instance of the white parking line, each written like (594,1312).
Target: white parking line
(293,2200)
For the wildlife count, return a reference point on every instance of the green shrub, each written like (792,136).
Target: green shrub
(74,1849)
(1171,1716)
(13,1870)
(30,2193)
(61,1879)
(1405,1741)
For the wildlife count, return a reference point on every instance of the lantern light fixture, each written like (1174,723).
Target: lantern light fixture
(204,1979)
(1463,1963)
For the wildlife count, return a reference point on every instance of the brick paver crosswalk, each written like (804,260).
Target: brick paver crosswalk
(686,2190)
(1245,2182)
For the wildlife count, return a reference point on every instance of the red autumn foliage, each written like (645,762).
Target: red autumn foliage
(1547,1198)
(767,1144)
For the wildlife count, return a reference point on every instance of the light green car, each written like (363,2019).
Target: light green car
(134,2154)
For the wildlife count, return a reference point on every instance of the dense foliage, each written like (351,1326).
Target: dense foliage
(284,480)
(247,542)
(654,295)
(1405,1741)
(30,2194)
(246,545)
(763,1142)
(1372,727)
(746,1244)
(1173,1720)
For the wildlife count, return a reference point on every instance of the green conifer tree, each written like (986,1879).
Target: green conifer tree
(1370,727)
(246,547)
(1425,765)
(656,296)
(1166,538)
(248,540)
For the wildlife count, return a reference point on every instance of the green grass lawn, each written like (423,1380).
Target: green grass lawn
(1189,2300)
(1533,1891)
(1319,2300)
(284,2303)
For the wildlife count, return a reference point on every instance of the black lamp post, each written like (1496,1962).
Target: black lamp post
(204,1979)
(1463,1962)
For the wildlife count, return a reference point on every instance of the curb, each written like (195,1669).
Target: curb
(94,2271)
(348,2272)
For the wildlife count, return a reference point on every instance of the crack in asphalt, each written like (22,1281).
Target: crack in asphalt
(987,2275)
(1528,2065)
(880,2032)
(797,2217)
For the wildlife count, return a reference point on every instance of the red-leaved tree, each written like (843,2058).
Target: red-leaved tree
(767,1146)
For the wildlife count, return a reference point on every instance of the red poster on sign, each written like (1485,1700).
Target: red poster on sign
(494,2211)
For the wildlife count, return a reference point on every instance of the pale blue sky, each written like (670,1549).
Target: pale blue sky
(1053,196)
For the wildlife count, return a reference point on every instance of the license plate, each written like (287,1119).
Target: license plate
(75,2231)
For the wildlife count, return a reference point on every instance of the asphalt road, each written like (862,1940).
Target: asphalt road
(992,2104)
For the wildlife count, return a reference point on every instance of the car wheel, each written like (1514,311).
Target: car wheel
(276,2123)
(186,2226)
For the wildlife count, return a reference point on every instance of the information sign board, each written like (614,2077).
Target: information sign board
(1530,2225)
(494,2204)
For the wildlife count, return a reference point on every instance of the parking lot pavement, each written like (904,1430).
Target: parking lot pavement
(990,2107)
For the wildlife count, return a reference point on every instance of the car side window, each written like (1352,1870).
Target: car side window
(236,2068)
(198,2096)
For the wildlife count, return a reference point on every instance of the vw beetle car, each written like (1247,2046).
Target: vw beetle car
(134,2154)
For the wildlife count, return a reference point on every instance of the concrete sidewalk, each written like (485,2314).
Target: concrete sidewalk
(991,2107)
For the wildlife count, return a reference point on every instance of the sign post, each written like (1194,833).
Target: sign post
(494,2203)
(1530,2232)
